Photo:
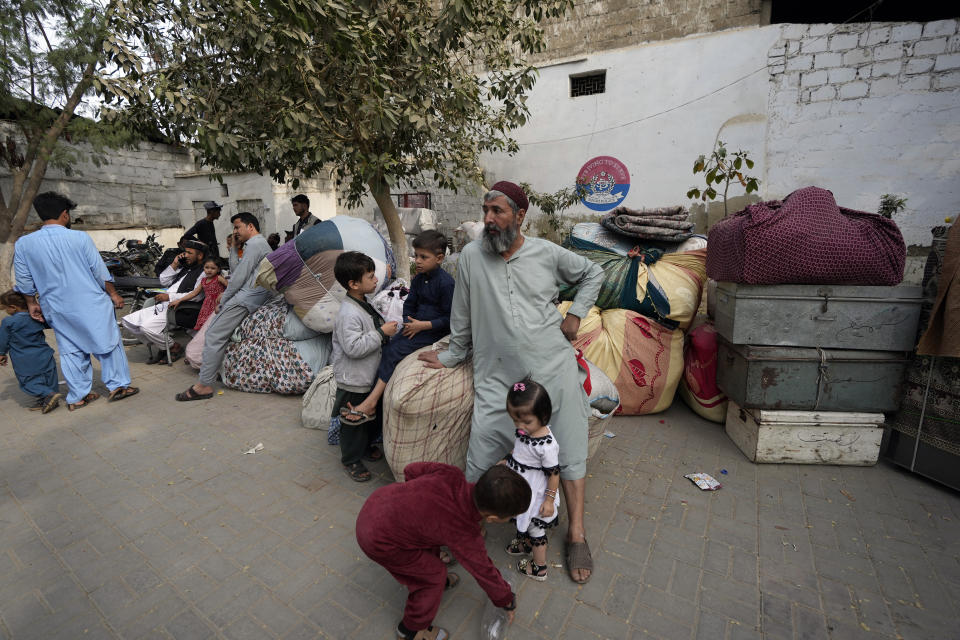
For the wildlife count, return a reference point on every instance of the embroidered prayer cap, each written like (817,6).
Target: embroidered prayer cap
(212,205)
(512,191)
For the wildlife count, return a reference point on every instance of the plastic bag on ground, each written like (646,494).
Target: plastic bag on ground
(494,621)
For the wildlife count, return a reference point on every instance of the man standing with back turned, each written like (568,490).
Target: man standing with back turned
(503,311)
(64,270)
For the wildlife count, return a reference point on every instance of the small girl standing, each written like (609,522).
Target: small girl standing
(22,337)
(211,285)
(536,457)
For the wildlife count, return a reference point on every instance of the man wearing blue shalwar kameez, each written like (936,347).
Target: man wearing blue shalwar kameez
(64,270)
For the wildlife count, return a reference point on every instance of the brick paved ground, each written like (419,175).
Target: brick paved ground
(144,519)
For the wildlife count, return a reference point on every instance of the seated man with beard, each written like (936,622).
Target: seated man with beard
(180,278)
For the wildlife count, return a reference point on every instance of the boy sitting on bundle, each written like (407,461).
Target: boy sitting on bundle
(426,313)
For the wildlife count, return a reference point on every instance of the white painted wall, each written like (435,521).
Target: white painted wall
(276,214)
(664,104)
(861,109)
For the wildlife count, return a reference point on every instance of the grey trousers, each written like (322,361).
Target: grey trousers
(221,327)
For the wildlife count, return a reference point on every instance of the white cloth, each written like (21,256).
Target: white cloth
(149,322)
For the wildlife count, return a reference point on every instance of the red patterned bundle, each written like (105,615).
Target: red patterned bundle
(806,239)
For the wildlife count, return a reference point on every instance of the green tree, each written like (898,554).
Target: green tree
(53,53)
(378,91)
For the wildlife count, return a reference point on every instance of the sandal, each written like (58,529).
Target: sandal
(353,412)
(122,392)
(532,570)
(373,454)
(578,557)
(190,395)
(357,472)
(84,401)
(447,558)
(519,547)
(452,581)
(50,403)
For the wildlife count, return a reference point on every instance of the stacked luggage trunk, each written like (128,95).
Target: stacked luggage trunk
(809,369)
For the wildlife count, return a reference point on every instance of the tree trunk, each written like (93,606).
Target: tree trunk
(6,265)
(381,193)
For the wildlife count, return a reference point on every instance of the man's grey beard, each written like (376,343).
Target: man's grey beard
(500,242)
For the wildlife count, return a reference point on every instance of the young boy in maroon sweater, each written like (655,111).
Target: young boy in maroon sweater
(403,525)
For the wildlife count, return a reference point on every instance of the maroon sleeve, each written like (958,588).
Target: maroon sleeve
(471,552)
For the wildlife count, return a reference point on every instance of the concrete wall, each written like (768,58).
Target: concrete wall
(135,187)
(261,195)
(862,109)
(600,25)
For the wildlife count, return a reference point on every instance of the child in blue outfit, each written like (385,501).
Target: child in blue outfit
(426,314)
(22,338)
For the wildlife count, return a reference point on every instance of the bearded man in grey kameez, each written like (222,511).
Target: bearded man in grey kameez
(504,312)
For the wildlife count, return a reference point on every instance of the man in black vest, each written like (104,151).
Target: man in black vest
(180,278)
(305,219)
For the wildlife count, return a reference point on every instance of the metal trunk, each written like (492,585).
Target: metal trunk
(825,316)
(810,379)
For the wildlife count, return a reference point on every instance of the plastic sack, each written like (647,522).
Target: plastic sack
(389,302)
(495,620)
(318,400)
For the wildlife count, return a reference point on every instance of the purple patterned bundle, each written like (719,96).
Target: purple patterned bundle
(806,239)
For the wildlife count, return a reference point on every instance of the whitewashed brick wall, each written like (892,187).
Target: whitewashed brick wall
(867,109)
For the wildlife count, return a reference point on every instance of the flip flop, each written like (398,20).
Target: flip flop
(364,418)
(190,394)
(578,557)
(51,402)
(452,581)
(357,472)
(122,392)
(373,454)
(84,401)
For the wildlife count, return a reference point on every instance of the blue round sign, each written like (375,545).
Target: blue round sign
(606,181)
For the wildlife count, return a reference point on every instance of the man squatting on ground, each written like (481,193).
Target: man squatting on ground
(504,312)
(64,270)
(241,298)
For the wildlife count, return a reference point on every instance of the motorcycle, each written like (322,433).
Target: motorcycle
(133,258)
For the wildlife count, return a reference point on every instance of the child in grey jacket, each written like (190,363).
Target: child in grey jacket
(358,335)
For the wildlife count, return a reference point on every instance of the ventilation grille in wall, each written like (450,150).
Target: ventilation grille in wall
(587,84)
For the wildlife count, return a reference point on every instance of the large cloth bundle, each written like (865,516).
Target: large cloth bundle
(302,269)
(643,358)
(665,287)
(663,223)
(265,361)
(806,239)
(593,235)
(427,413)
(698,388)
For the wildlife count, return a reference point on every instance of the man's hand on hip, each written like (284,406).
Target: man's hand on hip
(430,360)
(570,326)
